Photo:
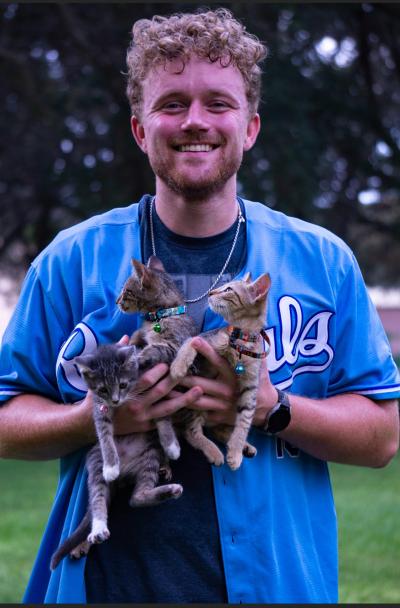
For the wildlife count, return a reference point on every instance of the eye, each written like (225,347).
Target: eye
(218,106)
(123,385)
(102,390)
(228,289)
(173,106)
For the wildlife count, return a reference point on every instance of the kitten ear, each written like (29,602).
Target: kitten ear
(260,287)
(142,273)
(138,266)
(247,277)
(130,352)
(156,263)
(83,364)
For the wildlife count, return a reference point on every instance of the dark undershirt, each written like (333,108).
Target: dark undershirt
(170,552)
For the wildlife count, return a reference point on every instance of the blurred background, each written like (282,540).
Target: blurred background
(328,152)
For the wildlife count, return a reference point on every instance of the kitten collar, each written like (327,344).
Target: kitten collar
(235,333)
(165,312)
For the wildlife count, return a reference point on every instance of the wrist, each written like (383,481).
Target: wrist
(279,417)
(266,402)
(84,419)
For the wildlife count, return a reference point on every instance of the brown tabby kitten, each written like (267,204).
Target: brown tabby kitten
(149,289)
(111,373)
(242,303)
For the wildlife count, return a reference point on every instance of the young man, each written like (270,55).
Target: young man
(265,533)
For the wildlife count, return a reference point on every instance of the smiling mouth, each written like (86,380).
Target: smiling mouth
(196,147)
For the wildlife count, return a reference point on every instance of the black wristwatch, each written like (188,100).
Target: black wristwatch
(279,417)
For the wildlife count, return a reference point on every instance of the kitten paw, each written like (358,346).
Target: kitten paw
(81,550)
(173,450)
(178,369)
(165,472)
(174,490)
(215,457)
(110,473)
(234,459)
(249,451)
(99,532)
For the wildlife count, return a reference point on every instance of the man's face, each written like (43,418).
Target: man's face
(195,125)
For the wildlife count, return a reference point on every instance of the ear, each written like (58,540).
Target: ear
(253,129)
(260,287)
(130,352)
(155,263)
(247,277)
(142,273)
(138,267)
(83,364)
(138,133)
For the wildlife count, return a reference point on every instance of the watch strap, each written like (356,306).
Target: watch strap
(282,404)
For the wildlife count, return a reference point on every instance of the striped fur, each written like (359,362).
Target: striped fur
(148,289)
(142,462)
(241,303)
(111,374)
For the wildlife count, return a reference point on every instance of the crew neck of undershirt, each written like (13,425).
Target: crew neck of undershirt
(195,243)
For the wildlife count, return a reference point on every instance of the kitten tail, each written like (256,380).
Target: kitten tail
(79,535)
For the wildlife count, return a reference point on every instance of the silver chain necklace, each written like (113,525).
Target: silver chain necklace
(240,220)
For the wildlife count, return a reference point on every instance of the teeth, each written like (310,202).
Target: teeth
(195,148)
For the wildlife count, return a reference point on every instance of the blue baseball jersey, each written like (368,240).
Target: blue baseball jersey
(276,514)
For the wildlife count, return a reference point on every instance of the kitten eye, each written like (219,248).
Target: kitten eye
(123,385)
(228,289)
(102,390)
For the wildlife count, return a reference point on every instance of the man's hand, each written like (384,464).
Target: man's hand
(219,393)
(219,398)
(153,398)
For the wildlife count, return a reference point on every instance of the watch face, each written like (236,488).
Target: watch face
(279,420)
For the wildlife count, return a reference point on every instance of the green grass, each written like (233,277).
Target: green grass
(27,492)
(367,503)
(368,507)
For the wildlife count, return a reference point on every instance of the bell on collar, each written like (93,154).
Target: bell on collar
(239,368)
(157,327)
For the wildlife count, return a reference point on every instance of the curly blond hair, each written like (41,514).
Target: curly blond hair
(212,34)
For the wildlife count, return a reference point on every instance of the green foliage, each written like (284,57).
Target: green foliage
(330,125)
(367,503)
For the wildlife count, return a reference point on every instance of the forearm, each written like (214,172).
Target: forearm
(347,428)
(35,428)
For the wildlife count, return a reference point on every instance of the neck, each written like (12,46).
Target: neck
(253,324)
(204,217)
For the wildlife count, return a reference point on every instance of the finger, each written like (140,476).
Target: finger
(158,390)
(124,341)
(151,377)
(215,388)
(166,407)
(208,403)
(218,362)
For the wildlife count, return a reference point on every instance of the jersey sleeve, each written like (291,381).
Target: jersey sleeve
(30,344)
(363,362)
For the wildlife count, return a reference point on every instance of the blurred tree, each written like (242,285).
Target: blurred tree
(328,151)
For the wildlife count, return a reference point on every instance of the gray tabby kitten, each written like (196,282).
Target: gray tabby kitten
(242,303)
(147,290)
(111,373)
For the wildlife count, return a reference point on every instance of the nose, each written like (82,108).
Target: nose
(195,118)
